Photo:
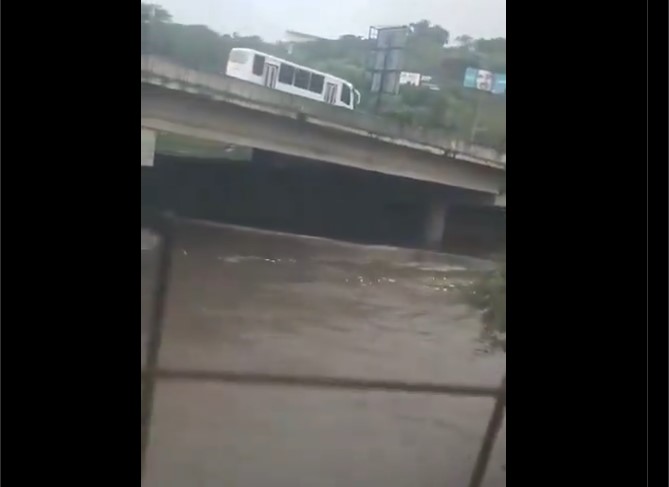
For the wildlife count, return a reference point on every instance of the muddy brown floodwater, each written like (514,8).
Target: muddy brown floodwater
(244,300)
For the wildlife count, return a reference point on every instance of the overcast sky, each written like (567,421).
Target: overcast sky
(331,18)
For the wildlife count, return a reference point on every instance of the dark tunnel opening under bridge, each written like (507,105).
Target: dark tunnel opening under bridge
(288,194)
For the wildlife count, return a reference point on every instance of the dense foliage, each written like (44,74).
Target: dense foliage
(430,51)
(488,294)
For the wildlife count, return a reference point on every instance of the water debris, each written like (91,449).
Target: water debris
(237,259)
(444,287)
(184,252)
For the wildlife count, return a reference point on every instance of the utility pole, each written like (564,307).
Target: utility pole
(477,113)
(379,96)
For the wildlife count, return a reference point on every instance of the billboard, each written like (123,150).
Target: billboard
(483,80)
(407,78)
(499,84)
(391,37)
(386,58)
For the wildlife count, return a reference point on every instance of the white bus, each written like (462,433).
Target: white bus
(264,69)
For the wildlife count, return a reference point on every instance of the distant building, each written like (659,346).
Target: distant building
(297,37)
(292,37)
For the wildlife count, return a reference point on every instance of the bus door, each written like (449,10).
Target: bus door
(270,75)
(330,93)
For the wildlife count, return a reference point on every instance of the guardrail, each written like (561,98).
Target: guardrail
(153,373)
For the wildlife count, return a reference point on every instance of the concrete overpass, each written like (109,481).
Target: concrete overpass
(217,108)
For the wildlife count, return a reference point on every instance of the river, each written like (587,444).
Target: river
(247,300)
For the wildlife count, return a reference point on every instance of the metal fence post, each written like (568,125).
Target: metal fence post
(156,326)
(494,425)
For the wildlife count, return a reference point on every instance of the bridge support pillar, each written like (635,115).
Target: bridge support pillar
(435,223)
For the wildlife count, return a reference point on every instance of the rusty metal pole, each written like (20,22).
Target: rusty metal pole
(494,425)
(156,326)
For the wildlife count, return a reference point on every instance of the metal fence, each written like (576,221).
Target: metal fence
(164,226)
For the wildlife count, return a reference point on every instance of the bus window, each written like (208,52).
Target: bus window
(286,74)
(302,79)
(316,83)
(345,94)
(239,57)
(258,65)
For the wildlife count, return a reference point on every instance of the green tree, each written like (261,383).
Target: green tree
(464,40)
(488,294)
(425,30)
(155,13)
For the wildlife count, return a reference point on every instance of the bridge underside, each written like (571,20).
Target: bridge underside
(284,193)
(197,116)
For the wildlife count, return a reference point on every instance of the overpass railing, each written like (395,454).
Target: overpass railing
(153,372)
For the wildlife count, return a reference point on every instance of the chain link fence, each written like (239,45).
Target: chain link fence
(163,225)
